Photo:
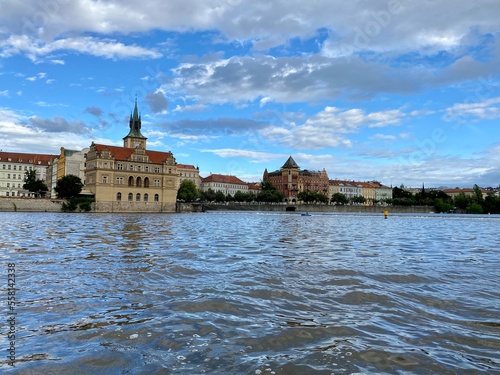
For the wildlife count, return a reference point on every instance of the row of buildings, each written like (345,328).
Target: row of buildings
(134,178)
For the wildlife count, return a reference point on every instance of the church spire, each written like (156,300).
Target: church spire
(134,136)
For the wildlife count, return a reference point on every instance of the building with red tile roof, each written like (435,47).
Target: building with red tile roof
(13,166)
(131,178)
(291,180)
(189,172)
(225,183)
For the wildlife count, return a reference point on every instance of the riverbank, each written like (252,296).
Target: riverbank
(54,205)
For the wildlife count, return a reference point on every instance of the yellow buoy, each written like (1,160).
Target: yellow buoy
(386,214)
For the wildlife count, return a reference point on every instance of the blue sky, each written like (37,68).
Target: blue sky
(398,91)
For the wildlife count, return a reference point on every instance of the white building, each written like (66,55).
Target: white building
(226,184)
(13,166)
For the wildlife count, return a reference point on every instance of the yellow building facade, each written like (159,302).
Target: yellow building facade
(131,178)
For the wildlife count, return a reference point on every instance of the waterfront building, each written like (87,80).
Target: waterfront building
(350,189)
(188,172)
(131,178)
(68,162)
(13,166)
(224,183)
(291,180)
(254,188)
(468,192)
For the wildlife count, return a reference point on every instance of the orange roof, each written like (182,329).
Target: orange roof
(224,179)
(186,166)
(124,153)
(20,157)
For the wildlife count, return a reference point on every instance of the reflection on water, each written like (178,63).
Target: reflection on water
(254,293)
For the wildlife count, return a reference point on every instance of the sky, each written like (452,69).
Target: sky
(398,91)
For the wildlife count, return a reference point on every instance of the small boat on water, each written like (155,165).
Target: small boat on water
(306,214)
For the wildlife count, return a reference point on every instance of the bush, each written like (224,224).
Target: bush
(85,204)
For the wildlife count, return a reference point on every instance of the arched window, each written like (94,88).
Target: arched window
(146,182)
(131,181)
(156,197)
(138,182)
(118,196)
(146,197)
(130,197)
(138,197)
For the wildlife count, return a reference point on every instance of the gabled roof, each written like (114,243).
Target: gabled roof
(290,163)
(125,153)
(186,166)
(223,179)
(20,157)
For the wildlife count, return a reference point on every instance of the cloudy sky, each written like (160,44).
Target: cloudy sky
(399,91)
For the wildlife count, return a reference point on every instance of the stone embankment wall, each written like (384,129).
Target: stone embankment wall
(30,204)
(54,205)
(319,208)
(142,207)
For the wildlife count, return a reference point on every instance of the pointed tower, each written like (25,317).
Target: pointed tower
(134,138)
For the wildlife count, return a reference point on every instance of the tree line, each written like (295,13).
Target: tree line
(438,199)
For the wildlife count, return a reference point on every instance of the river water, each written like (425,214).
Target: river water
(252,293)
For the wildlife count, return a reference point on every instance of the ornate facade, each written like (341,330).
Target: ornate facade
(290,180)
(131,178)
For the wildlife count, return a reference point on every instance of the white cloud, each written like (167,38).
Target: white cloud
(483,110)
(247,154)
(329,127)
(106,48)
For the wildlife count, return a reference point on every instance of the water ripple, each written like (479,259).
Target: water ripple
(254,293)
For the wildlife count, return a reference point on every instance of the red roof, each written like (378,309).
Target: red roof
(20,157)
(186,166)
(124,153)
(224,179)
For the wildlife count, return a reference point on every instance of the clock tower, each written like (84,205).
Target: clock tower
(134,138)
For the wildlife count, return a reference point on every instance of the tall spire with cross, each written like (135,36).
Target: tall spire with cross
(135,138)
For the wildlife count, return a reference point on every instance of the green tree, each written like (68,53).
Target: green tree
(68,186)
(339,198)
(33,184)
(220,197)
(462,201)
(359,199)
(478,194)
(269,193)
(188,191)
(441,206)
(208,195)
(474,208)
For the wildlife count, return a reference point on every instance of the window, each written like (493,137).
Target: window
(157,169)
(157,182)
(138,167)
(104,179)
(8,176)
(138,197)
(131,181)
(15,167)
(146,168)
(156,197)
(119,166)
(119,180)
(118,196)
(8,184)
(146,197)
(9,166)
(130,197)
(138,182)
(146,182)
(131,167)
(7,194)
